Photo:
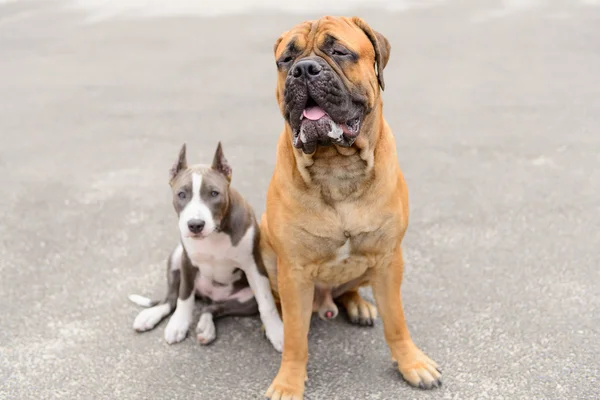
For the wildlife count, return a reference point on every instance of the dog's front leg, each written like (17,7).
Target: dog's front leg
(416,368)
(179,323)
(296,291)
(266,305)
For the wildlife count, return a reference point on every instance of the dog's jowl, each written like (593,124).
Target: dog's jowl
(217,259)
(337,204)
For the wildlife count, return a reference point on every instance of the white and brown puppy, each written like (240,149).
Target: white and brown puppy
(218,258)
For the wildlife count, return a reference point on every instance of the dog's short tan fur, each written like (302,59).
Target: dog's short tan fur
(317,202)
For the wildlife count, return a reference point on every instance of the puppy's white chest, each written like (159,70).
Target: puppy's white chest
(217,261)
(216,246)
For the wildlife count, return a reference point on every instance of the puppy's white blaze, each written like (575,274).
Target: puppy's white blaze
(343,252)
(140,300)
(336,131)
(196,209)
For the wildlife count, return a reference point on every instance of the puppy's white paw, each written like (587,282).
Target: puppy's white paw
(147,319)
(177,328)
(205,330)
(274,332)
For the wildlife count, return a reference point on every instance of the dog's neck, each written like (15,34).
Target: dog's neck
(342,173)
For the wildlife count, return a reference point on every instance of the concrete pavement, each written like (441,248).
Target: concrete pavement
(496,112)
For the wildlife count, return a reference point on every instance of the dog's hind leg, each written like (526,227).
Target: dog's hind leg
(206,331)
(149,318)
(360,311)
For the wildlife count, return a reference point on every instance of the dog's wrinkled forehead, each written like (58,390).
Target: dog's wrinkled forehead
(311,35)
(320,36)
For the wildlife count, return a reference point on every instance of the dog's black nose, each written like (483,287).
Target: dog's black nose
(196,225)
(308,68)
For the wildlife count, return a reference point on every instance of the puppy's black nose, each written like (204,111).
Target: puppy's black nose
(308,68)
(196,225)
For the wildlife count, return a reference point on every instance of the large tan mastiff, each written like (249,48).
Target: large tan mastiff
(337,204)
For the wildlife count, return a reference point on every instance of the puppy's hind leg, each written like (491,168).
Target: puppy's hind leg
(149,318)
(206,331)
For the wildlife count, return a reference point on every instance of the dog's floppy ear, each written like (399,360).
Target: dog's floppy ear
(277,42)
(179,165)
(380,44)
(220,163)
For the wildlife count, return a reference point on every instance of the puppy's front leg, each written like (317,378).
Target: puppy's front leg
(416,368)
(296,291)
(266,304)
(179,323)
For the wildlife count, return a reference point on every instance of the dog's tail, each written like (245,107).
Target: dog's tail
(143,301)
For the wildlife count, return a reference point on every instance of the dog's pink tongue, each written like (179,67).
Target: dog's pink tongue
(314,113)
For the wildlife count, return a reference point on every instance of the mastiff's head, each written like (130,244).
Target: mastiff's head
(330,75)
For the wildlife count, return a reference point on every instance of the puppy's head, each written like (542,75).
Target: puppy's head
(200,194)
(330,73)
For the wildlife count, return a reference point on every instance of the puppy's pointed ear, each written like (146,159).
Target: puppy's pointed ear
(220,163)
(179,165)
(380,44)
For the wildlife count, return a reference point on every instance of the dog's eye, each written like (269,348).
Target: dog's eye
(285,60)
(181,195)
(339,52)
(214,193)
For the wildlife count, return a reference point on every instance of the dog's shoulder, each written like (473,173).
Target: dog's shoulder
(240,222)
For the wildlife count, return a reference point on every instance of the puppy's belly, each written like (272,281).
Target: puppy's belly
(217,293)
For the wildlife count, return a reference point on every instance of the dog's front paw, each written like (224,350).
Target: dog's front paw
(274,332)
(286,387)
(416,368)
(177,328)
(206,332)
(148,318)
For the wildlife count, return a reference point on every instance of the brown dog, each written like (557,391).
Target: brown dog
(337,204)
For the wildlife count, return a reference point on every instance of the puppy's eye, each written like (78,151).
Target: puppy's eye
(181,195)
(287,59)
(214,193)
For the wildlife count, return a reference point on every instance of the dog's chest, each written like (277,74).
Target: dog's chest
(338,177)
(343,261)
(219,264)
(348,252)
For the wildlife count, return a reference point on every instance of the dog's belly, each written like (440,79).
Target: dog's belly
(219,279)
(207,287)
(345,265)
(333,273)
(353,261)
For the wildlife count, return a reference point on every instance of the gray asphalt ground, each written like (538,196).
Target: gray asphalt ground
(496,111)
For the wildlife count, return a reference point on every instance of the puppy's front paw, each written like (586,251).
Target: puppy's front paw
(274,332)
(206,332)
(148,318)
(177,328)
